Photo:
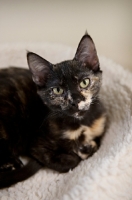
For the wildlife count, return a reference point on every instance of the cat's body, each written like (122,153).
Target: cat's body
(55,120)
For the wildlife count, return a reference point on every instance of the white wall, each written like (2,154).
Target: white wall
(109,22)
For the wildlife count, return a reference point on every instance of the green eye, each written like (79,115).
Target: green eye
(84,83)
(58,90)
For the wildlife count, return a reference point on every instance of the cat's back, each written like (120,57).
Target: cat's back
(14,77)
(15,82)
(17,91)
(21,109)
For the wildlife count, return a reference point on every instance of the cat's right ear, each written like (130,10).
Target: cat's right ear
(39,67)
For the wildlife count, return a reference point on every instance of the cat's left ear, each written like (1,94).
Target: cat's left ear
(39,67)
(87,54)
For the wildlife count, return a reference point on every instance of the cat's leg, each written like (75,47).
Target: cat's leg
(56,160)
(64,162)
(89,141)
(8,161)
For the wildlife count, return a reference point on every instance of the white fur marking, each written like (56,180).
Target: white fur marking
(87,102)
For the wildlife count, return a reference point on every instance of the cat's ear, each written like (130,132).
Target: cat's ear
(39,67)
(86,53)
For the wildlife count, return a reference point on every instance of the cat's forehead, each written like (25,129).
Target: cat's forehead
(71,69)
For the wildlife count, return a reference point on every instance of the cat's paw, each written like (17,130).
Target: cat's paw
(12,164)
(7,167)
(65,162)
(87,150)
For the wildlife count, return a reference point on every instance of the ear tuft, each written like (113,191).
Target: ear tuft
(86,32)
(86,53)
(39,67)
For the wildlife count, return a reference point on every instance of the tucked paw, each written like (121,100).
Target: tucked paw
(87,150)
(12,164)
(7,167)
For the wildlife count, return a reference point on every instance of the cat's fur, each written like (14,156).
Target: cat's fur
(57,130)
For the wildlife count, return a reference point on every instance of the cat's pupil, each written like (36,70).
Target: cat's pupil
(58,89)
(84,82)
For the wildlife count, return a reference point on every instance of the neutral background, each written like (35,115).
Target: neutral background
(109,22)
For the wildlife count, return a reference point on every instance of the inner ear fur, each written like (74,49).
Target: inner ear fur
(86,53)
(39,67)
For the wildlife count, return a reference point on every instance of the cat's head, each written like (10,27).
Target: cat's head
(69,87)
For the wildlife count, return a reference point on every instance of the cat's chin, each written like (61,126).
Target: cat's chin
(79,115)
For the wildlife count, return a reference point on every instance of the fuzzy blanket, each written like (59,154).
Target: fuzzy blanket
(107,175)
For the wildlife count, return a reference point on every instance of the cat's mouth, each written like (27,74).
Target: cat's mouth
(77,112)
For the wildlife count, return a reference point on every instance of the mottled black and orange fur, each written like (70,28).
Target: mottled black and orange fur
(56,131)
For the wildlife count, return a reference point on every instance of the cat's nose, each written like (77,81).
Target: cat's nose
(75,99)
(75,103)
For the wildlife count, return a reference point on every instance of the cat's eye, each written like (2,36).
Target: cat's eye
(84,83)
(58,90)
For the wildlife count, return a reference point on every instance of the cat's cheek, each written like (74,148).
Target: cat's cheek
(84,105)
(59,102)
(64,107)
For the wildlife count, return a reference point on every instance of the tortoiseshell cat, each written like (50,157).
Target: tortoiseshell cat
(54,119)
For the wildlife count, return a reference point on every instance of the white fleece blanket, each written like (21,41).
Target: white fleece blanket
(107,175)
